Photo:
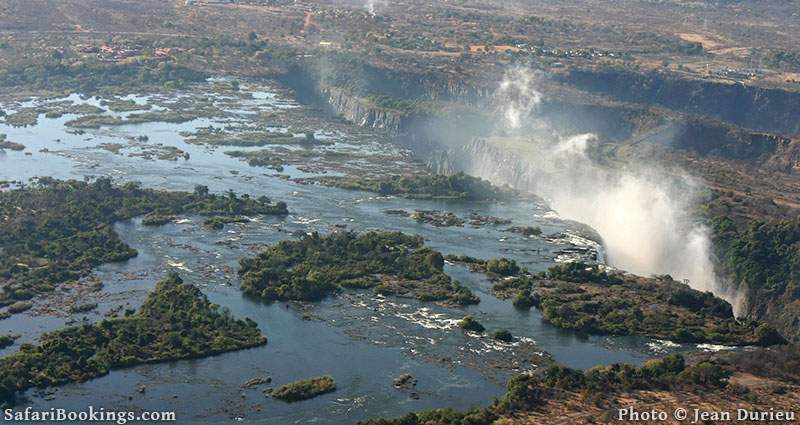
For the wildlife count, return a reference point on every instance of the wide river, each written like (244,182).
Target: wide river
(362,340)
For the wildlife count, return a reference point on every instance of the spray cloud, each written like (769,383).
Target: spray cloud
(642,212)
(372,5)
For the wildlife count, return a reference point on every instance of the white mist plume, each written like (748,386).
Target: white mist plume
(371,5)
(643,214)
(519,95)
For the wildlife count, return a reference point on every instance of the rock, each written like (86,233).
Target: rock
(257,381)
(405,381)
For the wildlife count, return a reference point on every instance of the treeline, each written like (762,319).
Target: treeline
(86,77)
(176,321)
(459,186)
(317,266)
(55,231)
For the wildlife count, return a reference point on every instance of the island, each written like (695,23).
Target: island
(314,267)
(305,389)
(591,299)
(455,186)
(175,322)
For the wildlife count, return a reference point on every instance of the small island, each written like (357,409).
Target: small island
(391,263)
(305,389)
(456,186)
(175,322)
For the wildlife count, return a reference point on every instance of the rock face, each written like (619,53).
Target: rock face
(770,110)
(362,113)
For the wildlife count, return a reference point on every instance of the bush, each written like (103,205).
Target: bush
(525,300)
(503,335)
(470,324)
(304,390)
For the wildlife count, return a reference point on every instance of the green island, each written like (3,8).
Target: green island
(305,389)
(97,121)
(121,105)
(314,267)
(456,186)
(176,321)
(589,299)
(218,137)
(262,158)
(53,231)
(219,222)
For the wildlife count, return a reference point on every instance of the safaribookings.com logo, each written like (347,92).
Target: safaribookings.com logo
(89,415)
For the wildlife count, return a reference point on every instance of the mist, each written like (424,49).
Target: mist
(643,212)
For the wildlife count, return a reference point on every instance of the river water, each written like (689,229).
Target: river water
(362,340)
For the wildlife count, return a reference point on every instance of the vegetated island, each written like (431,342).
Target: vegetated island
(5,144)
(456,186)
(54,231)
(587,298)
(756,381)
(97,121)
(176,321)
(305,389)
(317,266)
(219,137)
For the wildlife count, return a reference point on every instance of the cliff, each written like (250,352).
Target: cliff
(761,109)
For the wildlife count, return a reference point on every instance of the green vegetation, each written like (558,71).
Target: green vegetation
(19,307)
(766,256)
(304,390)
(121,105)
(496,269)
(316,266)
(580,273)
(631,305)
(56,231)
(526,231)
(97,121)
(176,321)
(157,219)
(468,323)
(23,118)
(218,137)
(764,260)
(528,392)
(219,223)
(503,335)
(458,186)
(261,158)
(88,77)
(524,300)
(7,340)
(502,267)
